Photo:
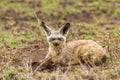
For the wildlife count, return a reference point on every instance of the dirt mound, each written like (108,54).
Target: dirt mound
(35,53)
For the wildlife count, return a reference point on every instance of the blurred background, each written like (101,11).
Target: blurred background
(90,19)
(23,43)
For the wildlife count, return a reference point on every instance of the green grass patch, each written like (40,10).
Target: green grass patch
(49,7)
(27,37)
(10,40)
(15,6)
(10,74)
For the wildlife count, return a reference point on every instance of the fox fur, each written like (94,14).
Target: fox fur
(74,52)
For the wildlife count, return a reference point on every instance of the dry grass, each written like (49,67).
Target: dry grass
(96,20)
(107,71)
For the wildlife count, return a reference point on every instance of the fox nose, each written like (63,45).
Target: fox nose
(56,43)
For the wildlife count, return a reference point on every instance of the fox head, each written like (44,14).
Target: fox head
(56,38)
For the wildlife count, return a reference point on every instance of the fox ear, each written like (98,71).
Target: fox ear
(65,29)
(47,30)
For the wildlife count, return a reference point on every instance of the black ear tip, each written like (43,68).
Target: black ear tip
(67,24)
(42,22)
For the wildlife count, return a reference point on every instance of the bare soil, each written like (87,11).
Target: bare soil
(35,52)
(38,50)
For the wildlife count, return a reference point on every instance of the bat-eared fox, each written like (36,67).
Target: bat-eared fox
(74,52)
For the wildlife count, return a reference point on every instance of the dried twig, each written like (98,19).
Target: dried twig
(39,22)
(44,61)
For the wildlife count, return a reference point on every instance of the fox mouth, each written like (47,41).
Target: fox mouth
(56,44)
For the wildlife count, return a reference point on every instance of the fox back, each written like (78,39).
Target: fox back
(74,52)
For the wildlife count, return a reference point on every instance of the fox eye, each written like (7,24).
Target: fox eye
(61,39)
(51,39)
